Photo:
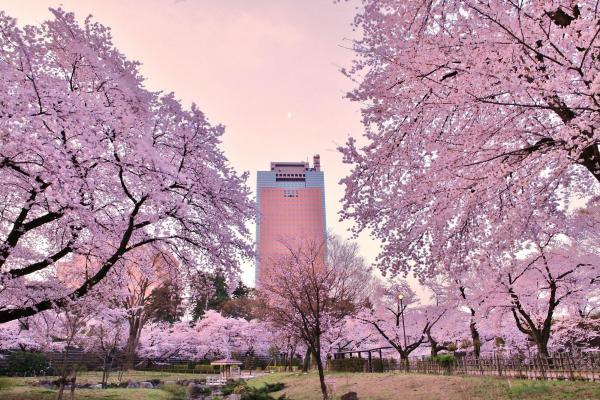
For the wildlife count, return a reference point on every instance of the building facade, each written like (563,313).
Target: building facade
(291,207)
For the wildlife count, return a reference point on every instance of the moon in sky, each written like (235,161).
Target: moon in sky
(289,115)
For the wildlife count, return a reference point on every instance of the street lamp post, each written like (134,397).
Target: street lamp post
(401,312)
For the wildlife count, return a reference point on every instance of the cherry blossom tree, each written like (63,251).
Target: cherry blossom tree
(145,275)
(476,115)
(353,334)
(139,279)
(93,164)
(306,294)
(535,288)
(160,341)
(214,336)
(108,336)
(577,328)
(405,325)
(460,288)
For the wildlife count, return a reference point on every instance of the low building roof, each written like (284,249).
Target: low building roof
(226,361)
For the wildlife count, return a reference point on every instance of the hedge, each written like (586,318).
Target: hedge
(206,368)
(347,364)
(23,363)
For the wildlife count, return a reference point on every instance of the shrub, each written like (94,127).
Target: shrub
(180,368)
(347,364)
(447,360)
(260,394)
(177,392)
(233,387)
(24,363)
(250,393)
(194,390)
(383,365)
(273,387)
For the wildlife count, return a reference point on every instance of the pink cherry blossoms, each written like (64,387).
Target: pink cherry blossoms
(95,165)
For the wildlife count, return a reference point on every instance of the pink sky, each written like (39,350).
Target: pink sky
(267,70)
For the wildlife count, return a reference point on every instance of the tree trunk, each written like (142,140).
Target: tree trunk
(404,359)
(434,350)
(63,375)
(132,341)
(73,381)
(433,344)
(290,358)
(306,361)
(475,338)
(542,346)
(61,389)
(317,354)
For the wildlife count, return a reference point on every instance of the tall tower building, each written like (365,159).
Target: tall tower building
(291,206)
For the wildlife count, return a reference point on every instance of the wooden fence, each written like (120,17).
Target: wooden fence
(94,362)
(564,366)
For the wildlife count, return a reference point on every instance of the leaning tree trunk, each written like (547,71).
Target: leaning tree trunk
(317,354)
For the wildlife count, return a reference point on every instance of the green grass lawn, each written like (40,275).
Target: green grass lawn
(429,387)
(385,386)
(19,389)
(96,376)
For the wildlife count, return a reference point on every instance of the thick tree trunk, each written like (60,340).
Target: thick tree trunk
(434,345)
(475,338)
(590,159)
(542,346)
(403,359)
(132,343)
(306,361)
(434,350)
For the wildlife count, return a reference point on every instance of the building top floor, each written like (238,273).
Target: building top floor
(294,171)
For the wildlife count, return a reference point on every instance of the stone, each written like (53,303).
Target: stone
(98,386)
(349,396)
(234,396)
(133,385)
(146,385)
(197,392)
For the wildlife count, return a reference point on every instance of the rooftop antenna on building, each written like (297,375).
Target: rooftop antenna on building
(317,162)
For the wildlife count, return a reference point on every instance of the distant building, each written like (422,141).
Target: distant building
(291,206)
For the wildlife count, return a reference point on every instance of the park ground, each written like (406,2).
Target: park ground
(368,387)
